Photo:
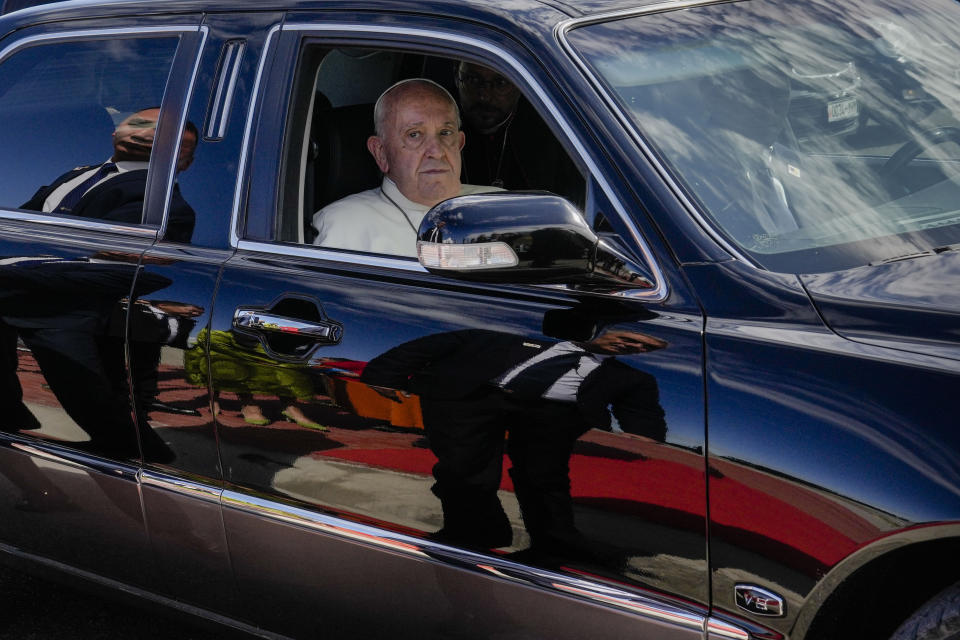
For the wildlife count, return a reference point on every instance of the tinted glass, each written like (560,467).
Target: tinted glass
(66,105)
(817,135)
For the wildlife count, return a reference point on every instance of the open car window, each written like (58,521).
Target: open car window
(507,144)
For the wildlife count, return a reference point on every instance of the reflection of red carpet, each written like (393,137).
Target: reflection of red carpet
(801,527)
(591,477)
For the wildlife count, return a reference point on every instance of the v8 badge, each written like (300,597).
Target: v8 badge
(759,601)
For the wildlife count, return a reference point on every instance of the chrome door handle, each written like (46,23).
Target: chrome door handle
(265,322)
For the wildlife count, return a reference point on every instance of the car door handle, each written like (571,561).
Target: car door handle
(266,323)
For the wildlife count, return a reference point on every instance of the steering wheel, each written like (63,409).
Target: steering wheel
(913,148)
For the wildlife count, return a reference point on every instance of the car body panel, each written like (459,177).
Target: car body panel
(277,468)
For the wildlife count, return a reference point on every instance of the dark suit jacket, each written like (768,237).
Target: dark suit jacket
(120,199)
(456,364)
(530,157)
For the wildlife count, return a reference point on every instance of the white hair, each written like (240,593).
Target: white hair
(389,97)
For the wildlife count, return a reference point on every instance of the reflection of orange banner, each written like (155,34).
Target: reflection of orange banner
(365,402)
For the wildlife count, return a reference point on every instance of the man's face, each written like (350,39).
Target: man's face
(420,148)
(624,342)
(486,98)
(133,139)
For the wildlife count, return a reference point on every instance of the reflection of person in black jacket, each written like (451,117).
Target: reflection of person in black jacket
(155,324)
(115,189)
(62,311)
(476,385)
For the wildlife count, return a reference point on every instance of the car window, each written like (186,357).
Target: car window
(817,138)
(79,119)
(339,195)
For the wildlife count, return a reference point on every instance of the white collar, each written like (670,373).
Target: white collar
(130,165)
(392,192)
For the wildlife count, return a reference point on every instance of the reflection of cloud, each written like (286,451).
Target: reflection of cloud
(811,396)
(455,313)
(906,57)
(919,281)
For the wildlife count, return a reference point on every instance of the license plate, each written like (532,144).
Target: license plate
(842,109)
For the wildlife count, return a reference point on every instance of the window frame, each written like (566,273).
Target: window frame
(161,171)
(277,68)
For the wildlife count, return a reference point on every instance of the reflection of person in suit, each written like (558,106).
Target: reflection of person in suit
(114,190)
(477,385)
(62,311)
(154,325)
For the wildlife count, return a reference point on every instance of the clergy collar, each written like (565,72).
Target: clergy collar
(391,190)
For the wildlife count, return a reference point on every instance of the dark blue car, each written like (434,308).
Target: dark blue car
(610,320)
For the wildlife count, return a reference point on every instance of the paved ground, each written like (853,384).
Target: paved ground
(32,609)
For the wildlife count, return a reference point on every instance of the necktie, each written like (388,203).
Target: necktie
(73,196)
(534,380)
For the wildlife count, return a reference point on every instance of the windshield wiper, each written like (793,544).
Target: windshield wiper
(918,254)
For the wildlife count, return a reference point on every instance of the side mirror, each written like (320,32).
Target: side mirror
(522,237)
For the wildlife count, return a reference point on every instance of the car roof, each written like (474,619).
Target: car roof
(570,8)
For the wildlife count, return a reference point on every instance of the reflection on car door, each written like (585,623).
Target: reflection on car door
(181,487)
(338,435)
(364,413)
(70,449)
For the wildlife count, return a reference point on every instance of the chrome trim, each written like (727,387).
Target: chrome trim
(98,33)
(90,224)
(560,33)
(773,605)
(172,167)
(139,593)
(93,33)
(646,605)
(180,485)
(657,293)
(310,251)
(242,167)
(658,7)
(62,455)
(716,629)
(226,85)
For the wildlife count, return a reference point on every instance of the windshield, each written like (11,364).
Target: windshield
(816,135)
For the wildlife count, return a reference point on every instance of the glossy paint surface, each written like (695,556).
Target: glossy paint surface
(364,452)
(285,427)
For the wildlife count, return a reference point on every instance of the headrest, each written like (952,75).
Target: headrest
(343,164)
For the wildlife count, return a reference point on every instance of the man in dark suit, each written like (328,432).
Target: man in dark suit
(115,189)
(475,386)
(508,144)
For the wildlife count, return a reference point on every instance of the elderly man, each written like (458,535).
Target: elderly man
(417,147)
(114,190)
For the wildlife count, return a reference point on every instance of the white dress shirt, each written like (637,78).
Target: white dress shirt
(369,221)
(567,386)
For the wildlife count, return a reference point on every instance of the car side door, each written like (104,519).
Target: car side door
(362,417)
(182,482)
(70,447)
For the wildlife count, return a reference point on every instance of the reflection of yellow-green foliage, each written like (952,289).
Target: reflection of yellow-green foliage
(244,369)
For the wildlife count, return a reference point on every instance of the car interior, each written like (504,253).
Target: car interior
(330,120)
